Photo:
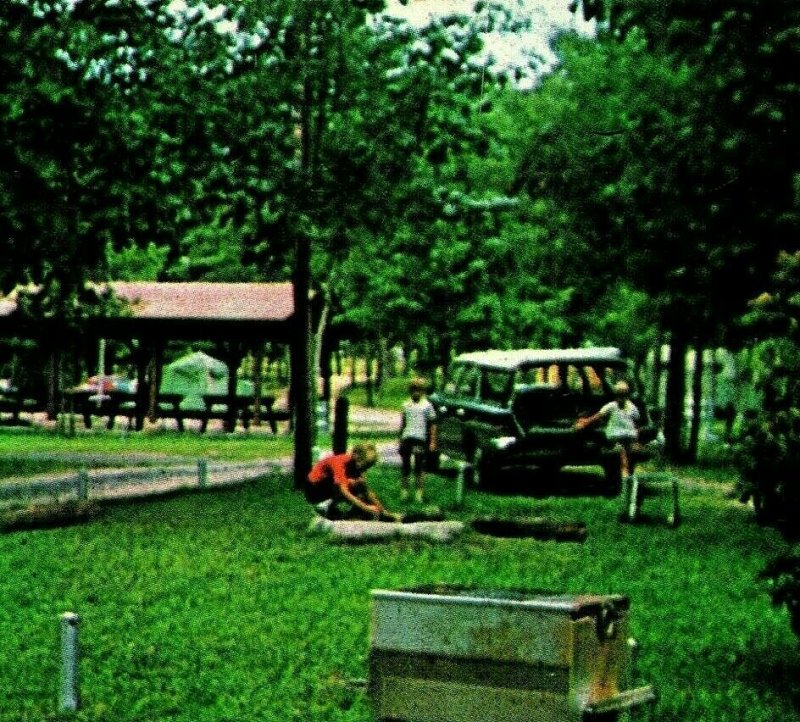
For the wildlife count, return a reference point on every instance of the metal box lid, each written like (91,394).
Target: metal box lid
(576,606)
(504,624)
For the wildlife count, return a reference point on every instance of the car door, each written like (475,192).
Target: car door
(454,406)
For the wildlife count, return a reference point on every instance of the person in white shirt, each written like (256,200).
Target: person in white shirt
(417,437)
(622,425)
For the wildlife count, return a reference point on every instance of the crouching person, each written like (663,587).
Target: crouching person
(337,486)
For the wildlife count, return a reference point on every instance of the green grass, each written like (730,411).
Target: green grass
(219,606)
(212,445)
(390,395)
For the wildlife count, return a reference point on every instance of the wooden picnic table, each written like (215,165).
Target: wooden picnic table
(88,403)
(216,407)
(15,401)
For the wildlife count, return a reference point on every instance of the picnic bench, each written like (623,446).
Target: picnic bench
(88,403)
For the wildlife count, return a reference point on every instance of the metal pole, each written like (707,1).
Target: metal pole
(101,371)
(69,662)
(202,473)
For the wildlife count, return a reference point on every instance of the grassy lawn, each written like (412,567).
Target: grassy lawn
(390,395)
(219,606)
(34,451)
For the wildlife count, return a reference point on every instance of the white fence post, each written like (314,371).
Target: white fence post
(83,485)
(69,662)
(460,476)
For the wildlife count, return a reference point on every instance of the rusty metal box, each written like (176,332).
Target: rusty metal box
(451,654)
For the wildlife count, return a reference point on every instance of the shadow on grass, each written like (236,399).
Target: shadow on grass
(541,483)
(774,666)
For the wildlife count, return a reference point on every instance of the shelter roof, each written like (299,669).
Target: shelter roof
(182,310)
(207,301)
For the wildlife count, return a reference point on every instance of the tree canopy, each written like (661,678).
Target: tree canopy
(650,178)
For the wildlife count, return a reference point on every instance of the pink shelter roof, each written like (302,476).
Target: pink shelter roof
(201,300)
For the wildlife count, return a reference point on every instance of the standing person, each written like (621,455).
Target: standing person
(338,487)
(417,437)
(622,425)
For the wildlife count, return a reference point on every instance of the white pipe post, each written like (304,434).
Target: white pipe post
(69,661)
(83,485)
(101,371)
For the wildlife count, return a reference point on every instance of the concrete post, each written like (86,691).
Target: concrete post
(83,485)
(460,478)
(69,662)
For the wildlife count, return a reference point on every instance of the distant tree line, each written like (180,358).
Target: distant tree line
(639,195)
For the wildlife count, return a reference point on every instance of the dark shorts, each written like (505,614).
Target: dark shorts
(412,450)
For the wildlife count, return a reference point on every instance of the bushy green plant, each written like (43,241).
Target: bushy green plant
(768,449)
(768,445)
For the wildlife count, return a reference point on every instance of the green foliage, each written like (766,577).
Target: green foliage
(768,447)
(769,443)
(54,188)
(135,263)
(220,605)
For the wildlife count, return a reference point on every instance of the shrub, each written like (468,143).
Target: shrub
(768,447)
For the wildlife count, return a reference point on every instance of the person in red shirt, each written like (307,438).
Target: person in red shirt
(338,487)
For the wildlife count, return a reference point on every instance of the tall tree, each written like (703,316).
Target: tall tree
(687,146)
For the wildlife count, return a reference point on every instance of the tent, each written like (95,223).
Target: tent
(196,374)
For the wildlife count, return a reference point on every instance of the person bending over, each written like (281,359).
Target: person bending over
(338,488)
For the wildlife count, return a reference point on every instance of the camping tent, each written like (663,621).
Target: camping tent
(196,374)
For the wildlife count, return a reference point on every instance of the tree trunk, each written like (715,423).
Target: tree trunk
(369,380)
(675,399)
(697,403)
(654,390)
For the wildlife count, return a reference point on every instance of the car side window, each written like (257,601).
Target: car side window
(575,379)
(464,382)
(610,376)
(595,386)
(495,388)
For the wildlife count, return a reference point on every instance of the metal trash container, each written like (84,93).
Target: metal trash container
(451,654)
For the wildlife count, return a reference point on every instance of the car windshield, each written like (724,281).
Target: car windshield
(485,385)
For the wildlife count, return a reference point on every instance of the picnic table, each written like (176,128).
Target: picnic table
(15,401)
(244,405)
(88,403)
